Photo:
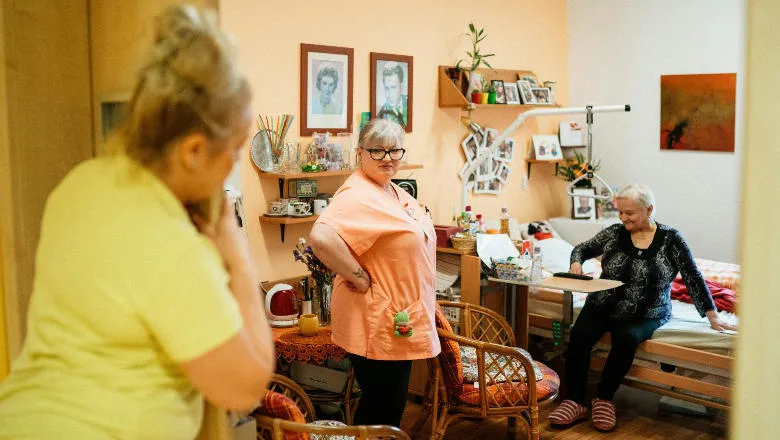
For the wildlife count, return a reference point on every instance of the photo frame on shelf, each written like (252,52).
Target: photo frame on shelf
(470,148)
(542,95)
(326,88)
(392,92)
(334,156)
(498,87)
(532,81)
(506,151)
(583,208)
(546,147)
(503,173)
(512,93)
(526,94)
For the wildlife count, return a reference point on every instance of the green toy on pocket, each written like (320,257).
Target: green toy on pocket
(402,327)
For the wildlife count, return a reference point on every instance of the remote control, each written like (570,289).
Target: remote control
(573,276)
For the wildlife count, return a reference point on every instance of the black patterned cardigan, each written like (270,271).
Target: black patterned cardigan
(647,274)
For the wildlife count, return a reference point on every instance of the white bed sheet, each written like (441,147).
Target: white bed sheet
(685,329)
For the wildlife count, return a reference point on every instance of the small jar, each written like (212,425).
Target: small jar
(308,325)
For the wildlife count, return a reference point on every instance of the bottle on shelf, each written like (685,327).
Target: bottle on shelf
(469,214)
(538,261)
(504,221)
(480,224)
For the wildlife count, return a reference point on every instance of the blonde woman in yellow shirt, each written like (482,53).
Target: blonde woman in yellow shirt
(136,313)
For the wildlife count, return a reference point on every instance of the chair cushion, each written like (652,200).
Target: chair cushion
(471,373)
(514,393)
(282,407)
(334,423)
(450,357)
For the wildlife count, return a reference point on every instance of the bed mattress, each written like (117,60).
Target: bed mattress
(685,329)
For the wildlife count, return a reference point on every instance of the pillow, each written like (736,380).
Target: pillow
(556,254)
(471,372)
(282,407)
(450,357)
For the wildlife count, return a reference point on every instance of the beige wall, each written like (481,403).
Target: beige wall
(758,356)
(47,128)
(269,35)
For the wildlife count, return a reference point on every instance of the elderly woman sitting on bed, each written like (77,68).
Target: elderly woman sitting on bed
(646,256)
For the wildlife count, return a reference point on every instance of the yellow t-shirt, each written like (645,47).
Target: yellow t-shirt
(125,290)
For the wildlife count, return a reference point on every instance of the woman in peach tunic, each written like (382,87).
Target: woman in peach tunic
(382,247)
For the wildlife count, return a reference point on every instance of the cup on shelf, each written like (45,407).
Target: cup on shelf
(319,206)
(301,208)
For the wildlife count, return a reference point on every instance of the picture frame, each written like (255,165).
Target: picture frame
(498,86)
(470,148)
(326,88)
(530,78)
(493,187)
(542,95)
(480,187)
(485,169)
(546,147)
(583,208)
(526,95)
(334,156)
(392,91)
(504,172)
(490,135)
(506,151)
(512,93)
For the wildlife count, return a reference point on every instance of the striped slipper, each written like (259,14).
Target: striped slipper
(568,413)
(603,415)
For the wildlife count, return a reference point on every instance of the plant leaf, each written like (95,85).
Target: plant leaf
(488,55)
(487,64)
(480,32)
(471,27)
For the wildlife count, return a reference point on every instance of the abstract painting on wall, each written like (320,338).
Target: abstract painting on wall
(698,112)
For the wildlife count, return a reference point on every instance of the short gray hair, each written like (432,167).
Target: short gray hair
(639,193)
(380,131)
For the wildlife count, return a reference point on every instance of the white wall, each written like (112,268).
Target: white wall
(617,51)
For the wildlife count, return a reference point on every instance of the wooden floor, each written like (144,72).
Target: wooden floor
(638,418)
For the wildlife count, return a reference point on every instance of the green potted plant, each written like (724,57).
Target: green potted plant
(486,88)
(492,94)
(475,58)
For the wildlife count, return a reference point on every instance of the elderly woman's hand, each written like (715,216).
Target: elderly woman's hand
(575,268)
(717,324)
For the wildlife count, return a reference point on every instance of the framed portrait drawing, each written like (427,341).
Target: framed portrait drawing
(326,89)
(583,208)
(391,93)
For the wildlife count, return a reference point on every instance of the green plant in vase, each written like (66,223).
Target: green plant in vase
(575,168)
(475,58)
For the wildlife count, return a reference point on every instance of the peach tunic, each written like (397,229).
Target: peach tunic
(396,244)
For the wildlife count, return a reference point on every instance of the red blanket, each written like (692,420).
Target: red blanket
(725,299)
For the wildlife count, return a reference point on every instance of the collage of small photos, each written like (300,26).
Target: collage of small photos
(493,171)
(526,90)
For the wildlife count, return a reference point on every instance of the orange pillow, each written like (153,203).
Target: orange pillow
(450,360)
(282,407)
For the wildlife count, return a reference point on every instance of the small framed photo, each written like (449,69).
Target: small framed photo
(491,134)
(498,87)
(481,187)
(512,93)
(526,95)
(530,78)
(326,89)
(480,138)
(542,95)
(582,206)
(493,187)
(546,147)
(503,173)
(506,151)
(391,88)
(470,147)
(485,169)
(334,156)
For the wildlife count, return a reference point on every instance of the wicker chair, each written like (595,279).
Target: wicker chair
(501,389)
(269,428)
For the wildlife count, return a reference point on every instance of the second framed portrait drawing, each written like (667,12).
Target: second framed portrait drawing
(392,92)
(326,89)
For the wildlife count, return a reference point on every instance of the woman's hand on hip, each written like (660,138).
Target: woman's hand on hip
(717,324)
(361,283)
(575,268)
(227,237)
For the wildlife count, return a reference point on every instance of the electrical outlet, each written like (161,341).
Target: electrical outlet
(525,183)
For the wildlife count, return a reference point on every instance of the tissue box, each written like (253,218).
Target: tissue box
(443,233)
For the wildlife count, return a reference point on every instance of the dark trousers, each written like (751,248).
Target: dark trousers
(385,386)
(593,322)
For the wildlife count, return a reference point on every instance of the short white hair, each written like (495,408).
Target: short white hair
(380,131)
(639,193)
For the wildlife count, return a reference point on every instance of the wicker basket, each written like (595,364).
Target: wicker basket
(468,244)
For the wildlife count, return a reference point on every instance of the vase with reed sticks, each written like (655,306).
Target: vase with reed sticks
(274,131)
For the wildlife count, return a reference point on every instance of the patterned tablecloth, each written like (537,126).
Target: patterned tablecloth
(292,346)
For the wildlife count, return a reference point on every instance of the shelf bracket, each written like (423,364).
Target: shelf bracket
(281,228)
(281,196)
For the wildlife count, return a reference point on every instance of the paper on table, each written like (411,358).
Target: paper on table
(495,246)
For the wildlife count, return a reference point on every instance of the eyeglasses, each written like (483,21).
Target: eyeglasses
(380,153)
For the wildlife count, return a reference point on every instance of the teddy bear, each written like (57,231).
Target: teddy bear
(539,230)
(402,327)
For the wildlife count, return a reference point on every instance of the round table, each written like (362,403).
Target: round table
(292,346)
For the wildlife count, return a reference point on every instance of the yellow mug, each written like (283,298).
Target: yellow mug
(308,325)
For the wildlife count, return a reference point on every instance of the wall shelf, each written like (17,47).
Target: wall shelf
(452,93)
(284,221)
(529,162)
(284,177)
